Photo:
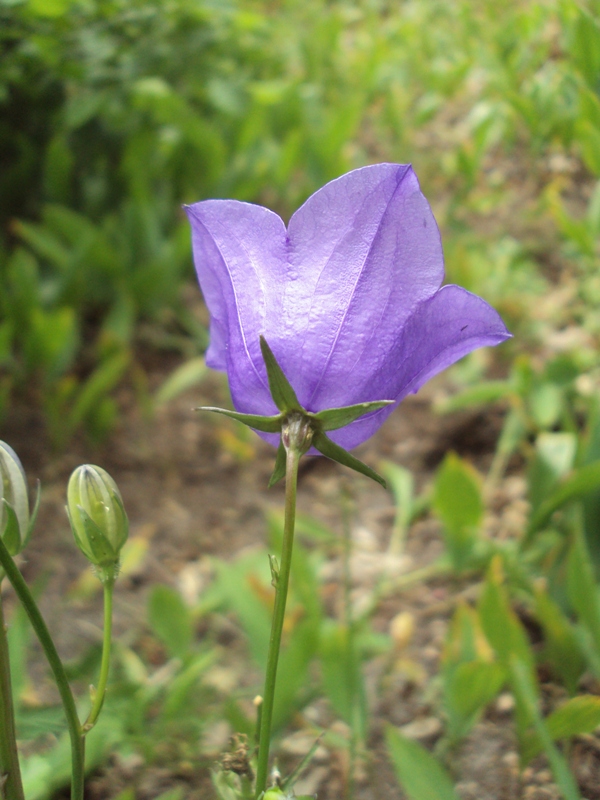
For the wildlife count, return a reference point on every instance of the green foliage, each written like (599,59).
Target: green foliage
(457,500)
(418,772)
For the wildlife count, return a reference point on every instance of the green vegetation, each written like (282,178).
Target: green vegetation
(115,112)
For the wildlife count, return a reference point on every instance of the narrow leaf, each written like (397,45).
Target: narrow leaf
(421,776)
(256,421)
(525,692)
(280,465)
(336,453)
(333,418)
(581,587)
(583,481)
(282,393)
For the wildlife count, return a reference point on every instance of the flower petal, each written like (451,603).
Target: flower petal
(240,258)
(365,250)
(442,329)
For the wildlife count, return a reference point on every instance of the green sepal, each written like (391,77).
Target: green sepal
(282,393)
(34,513)
(333,418)
(336,453)
(96,548)
(280,465)
(256,421)
(11,535)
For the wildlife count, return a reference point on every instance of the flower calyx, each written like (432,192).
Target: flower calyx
(302,429)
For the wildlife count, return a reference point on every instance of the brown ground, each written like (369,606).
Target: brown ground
(191,495)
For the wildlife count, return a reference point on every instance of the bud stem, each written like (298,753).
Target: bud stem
(293,454)
(10,773)
(41,631)
(106,642)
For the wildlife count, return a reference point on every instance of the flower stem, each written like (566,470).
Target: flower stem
(280,581)
(41,630)
(104,667)
(11,787)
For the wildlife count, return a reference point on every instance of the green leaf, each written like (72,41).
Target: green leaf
(171,620)
(420,775)
(458,502)
(184,377)
(402,484)
(342,676)
(468,689)
(554,457)
(582,590)
(578,715)
(505,634)
(336,453)
(525,691)
(583,481)
(280,465)
(333,418)
(282,393)
(256,421)
(561,646)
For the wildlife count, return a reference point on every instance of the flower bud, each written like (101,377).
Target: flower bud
(14,501)
(98,519)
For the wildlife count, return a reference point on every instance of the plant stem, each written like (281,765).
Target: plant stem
(11,787)
(281,581)
(41,631)
(104,667)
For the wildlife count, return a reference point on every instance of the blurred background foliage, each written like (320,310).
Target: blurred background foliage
(114,113)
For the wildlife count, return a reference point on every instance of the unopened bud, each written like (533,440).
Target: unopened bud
(14,501)
(98,518)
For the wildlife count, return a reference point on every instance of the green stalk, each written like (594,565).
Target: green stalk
(11,787)
(100,692)
(41,630)
(281,581)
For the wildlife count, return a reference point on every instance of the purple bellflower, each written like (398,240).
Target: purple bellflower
(348,297)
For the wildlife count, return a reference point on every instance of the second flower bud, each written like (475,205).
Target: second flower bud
(98,519)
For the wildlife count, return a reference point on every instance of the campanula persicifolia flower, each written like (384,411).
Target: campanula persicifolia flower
(348,297)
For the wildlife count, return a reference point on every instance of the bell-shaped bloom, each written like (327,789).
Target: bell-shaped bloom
(349,297)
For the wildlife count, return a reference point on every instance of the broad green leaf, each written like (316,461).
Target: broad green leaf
(546,404)
(553,459)
(578,715)
(419,774)
(468,689)
(457,501)
(171,620)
